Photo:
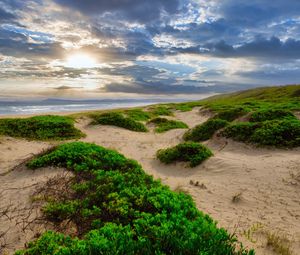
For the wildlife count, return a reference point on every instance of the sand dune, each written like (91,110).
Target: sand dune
(246,189)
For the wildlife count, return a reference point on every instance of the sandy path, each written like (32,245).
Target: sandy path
(267,180)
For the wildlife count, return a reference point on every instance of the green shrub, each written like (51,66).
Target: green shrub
(280,133)
(270,114)
(118,209)
(48,127)
(191,152)
(205,130)
(186,106)
(231,114)
(163,124)
(240,131)
(161,110)
(118,119)
(138,114)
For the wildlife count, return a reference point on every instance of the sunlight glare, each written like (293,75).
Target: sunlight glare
(81,61)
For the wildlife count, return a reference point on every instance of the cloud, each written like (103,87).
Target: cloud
(272,48)
(6,16)
(157,46)
(133,10)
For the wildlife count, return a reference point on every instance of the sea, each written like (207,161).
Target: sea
(57,105)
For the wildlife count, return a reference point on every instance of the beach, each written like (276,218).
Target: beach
(249,191)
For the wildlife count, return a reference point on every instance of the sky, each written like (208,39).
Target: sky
(130,48)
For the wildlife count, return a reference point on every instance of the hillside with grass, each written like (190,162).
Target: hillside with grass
(263,116)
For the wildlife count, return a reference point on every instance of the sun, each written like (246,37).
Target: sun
(81,60)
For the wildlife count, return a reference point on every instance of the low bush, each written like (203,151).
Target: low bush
(280,133)
(48,127)
(118,209)
(138,114)
(231,114)
(118,119)
(205,130)
(240,131)
(163,124)
(161,110)
(191,152)
(270,114)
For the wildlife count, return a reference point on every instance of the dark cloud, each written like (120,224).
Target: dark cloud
(67,88)
(272,48)
(166,87)
(277,76)
(18,45)
(257,12)
(134,10)
(6,16)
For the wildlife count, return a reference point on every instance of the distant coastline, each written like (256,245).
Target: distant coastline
(56,105)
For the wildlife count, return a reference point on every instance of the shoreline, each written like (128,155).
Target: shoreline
(79,112)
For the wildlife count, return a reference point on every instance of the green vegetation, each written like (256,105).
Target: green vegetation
(118,209)
(241,131)
(118,119)
(138,114)
(279,97)
(231,114)
(205,130)
(280,133)
(163,124)
(271,121)
(49,127)
(161,110)
(186,106)
(191,152)
(270,114)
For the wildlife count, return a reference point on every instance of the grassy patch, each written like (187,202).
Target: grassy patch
(163,124)
(241,131)
(186,106)
(279,133)
(279,97)
(138,114)
(161,110)
(205,130)
(48,127)
(191,152)
(118,209)
(270,114)
(119,120)
(231,114)
(279,244)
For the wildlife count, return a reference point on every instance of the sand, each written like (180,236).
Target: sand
(250,191)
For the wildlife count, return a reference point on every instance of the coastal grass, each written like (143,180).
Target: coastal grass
(118,209)
(280,97)
(270,114)
(194,153)
(269,111)
(161,110)
(138,114)
(205,130)
(278,132)
(48,127)
(163,124)
(231,114)
(277,97)
(118,119)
